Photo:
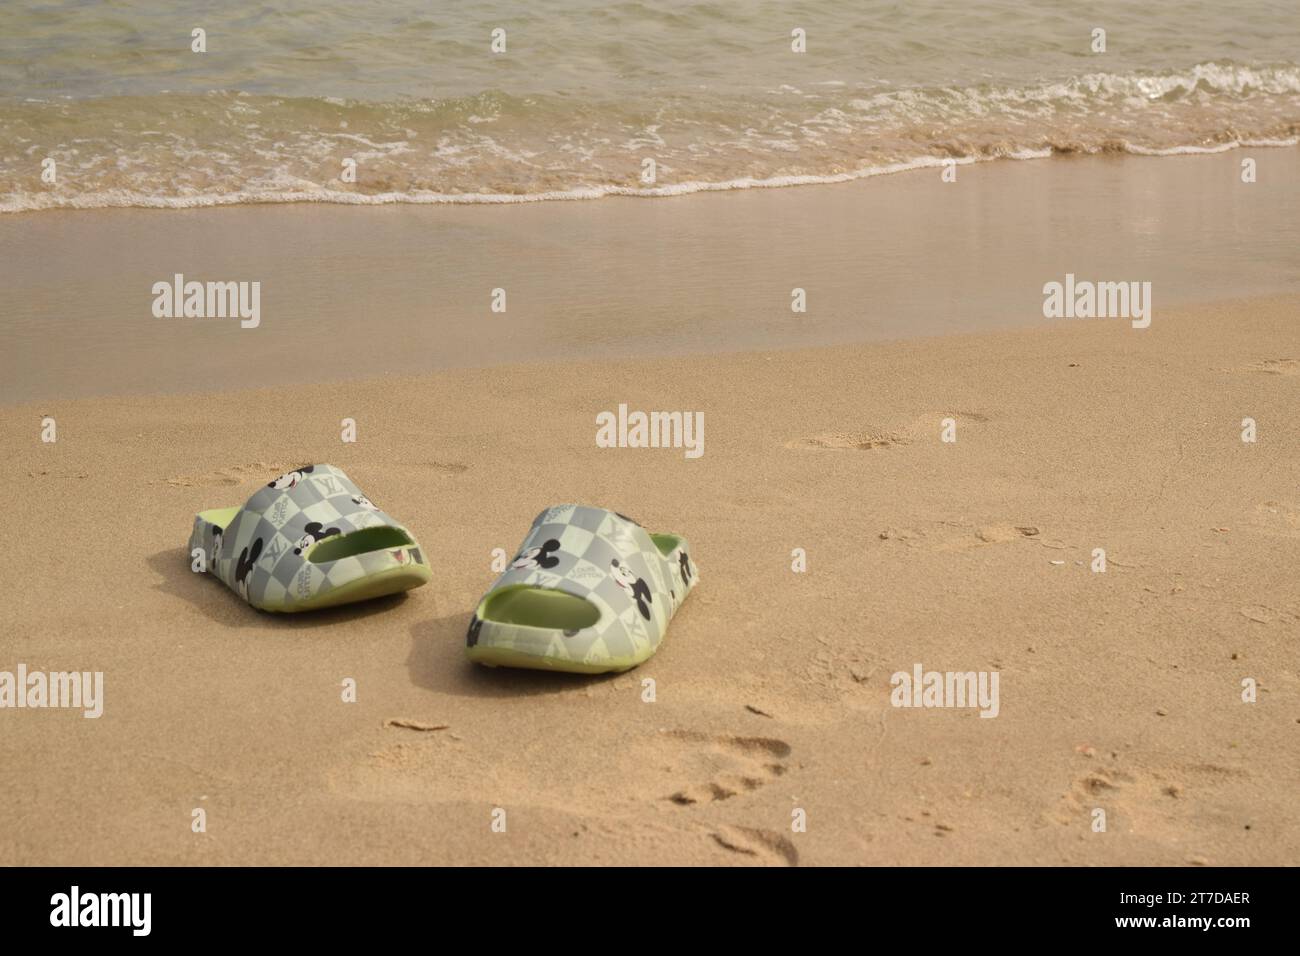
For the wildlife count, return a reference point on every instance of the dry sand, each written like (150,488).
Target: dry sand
(1118,690)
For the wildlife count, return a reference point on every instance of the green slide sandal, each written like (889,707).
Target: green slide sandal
(590,591)
(309,539)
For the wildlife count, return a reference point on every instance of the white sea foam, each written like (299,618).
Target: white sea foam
(121,198)
(1216,148)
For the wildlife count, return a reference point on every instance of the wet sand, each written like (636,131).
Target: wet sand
(367,292)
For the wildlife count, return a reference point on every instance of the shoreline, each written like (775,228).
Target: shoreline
(1118,690)
(342,197)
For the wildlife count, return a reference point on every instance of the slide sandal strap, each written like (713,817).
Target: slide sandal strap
(263,552)
(604,558)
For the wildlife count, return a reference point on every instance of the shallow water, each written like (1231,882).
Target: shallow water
(587,91)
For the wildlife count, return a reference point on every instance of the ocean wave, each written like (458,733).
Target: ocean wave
(12,203)
(228,148)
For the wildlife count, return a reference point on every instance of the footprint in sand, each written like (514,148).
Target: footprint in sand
(424,761)
(1149,796)
(57,474)
(445,467)
(850,441)
(1000,534)
(733,765)
(926,428)
(764,846)
(959,536)
(1287,366)
(1104,787)
(234,475)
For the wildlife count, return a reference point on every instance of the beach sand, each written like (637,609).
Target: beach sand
(1118,690)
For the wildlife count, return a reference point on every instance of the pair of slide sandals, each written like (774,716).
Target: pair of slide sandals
(589,591)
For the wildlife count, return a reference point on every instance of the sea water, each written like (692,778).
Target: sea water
(151,103)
